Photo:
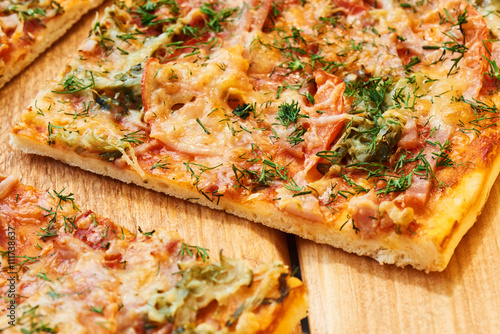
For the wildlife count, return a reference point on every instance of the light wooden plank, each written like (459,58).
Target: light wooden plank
(123,203)
(352,294)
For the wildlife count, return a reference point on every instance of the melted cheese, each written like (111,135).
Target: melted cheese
(200,94)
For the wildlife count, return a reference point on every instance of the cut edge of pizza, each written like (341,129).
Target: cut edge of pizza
(454,213)
(161,111)
(76,270)
(20,46)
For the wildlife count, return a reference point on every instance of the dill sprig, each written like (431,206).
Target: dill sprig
(189,250)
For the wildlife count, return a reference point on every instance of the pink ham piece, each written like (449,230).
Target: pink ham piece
(10,22)
(254,15)
(365,212)
(473,65)
(89,46)
(490,82)
(351,7)
(409,138)
(325,126)
(417,194)
(6,185)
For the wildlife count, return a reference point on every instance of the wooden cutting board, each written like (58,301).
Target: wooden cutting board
(348,293)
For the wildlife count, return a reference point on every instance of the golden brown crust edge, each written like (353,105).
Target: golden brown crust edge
(54,30)
(471,213)
(426,253)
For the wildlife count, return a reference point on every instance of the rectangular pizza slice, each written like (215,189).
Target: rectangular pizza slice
(28,28)
(369,126)
(67,270)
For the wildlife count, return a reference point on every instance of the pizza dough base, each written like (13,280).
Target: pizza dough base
(429,250)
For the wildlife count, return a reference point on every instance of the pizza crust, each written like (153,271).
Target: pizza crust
(430,250)
(54,30)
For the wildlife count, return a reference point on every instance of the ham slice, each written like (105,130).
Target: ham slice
(254,15)
(10,22)
(418,193)
(325,118)
(409,138)
(365,213)
(351,7)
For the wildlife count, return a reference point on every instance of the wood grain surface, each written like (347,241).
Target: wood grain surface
(348,293)
(353,294)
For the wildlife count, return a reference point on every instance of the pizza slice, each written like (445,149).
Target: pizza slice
(67,270)
(370,126)
(28,28)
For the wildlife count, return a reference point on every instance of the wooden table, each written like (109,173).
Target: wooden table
(348,293)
